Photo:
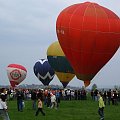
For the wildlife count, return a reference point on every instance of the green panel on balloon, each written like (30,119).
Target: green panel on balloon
(60,64)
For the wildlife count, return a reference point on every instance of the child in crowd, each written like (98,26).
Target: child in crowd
(40,108)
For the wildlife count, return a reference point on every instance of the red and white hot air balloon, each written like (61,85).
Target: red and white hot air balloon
(16,74)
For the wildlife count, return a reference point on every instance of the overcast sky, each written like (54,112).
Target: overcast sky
(28,27)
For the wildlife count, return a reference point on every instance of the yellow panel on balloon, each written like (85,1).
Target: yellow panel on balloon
(65,77)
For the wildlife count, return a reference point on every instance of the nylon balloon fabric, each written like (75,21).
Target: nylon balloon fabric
(43,71)
(89,36)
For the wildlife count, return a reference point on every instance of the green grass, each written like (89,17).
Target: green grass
(68,110)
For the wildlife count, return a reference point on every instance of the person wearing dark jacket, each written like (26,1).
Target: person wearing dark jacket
(34,98)
(20,98)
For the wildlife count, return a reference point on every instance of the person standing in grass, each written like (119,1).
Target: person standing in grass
(53,101)
(3,105)
(34,99)
(20,98)
(40,108)
(101,106)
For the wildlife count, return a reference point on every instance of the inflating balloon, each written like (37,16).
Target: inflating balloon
(89,35)
(43,71)
(16,74)
(60,64)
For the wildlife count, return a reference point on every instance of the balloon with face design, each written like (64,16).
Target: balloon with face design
(16,74)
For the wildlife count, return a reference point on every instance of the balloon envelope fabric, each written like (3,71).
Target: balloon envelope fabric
(16,74)
(43,71)
(60,64)
(89,36)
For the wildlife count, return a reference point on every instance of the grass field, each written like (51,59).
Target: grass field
(68,110)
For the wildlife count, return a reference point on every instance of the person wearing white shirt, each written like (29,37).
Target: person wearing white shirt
(3,107)
(53,101)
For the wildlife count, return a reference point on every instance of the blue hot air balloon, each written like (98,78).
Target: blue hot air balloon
(43,71)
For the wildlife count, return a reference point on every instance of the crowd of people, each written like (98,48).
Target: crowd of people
(109,96)
(46,95)
(51,98)
(105,98)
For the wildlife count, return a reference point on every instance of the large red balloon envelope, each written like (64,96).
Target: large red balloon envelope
(119,43)
(89,35)
(16,74)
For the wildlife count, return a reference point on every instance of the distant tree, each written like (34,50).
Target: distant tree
(116,87)
(94,86)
